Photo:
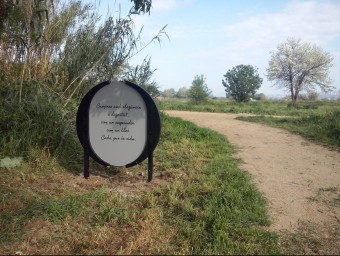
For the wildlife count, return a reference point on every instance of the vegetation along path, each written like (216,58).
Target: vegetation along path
(300,180)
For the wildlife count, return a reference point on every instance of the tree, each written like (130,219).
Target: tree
(260,96)
(142,75)
(298,66)
(182,93)
(313,96)
(169,93)
(242,82)
(199,92)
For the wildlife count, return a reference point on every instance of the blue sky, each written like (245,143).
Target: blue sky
(211,37)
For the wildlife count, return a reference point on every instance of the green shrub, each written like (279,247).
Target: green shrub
(38,122)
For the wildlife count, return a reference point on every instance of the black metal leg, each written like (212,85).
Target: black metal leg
(150,166)
(86,164)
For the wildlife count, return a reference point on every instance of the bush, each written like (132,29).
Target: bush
(38,122)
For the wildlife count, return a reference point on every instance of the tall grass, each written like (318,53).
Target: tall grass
(52,53)
(38,122)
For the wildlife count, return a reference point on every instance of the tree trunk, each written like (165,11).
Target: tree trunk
(292,94)
(295,97)
(291,84)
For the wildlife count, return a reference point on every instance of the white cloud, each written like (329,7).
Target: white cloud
(170,5)
(250,40)
(316,22)
(212,49)
(164,5)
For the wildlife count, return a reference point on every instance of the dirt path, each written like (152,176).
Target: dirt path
(300,180)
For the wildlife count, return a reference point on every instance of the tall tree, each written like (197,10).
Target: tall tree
(298,66)
(199,91)
(242,82)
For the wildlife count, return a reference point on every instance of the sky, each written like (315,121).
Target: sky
(211,37)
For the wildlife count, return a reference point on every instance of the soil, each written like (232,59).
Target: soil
(299,179)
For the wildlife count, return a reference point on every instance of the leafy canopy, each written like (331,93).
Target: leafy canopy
(242,82)
(298,66)
(199,91)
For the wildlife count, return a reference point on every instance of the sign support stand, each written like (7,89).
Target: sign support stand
(86,164)
(150,166)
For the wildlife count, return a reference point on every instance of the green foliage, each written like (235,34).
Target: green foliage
(242,82)
(199,91)
(53,53)
(64,48)
(110,45)
(305,104)
(141,6)
(142,75)
(38,122)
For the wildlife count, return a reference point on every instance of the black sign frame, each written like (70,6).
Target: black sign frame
(153,129)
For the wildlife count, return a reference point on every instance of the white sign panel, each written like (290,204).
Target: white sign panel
(117,124)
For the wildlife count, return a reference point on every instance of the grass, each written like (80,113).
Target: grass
(200,202)
(318,121)
(269,107)
(322,128)
(311,239)
(37,122)
(208,205)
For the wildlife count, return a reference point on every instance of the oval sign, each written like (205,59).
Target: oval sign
(118,123)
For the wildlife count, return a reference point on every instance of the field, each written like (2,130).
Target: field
(200,201)
(267,107)
(315,120)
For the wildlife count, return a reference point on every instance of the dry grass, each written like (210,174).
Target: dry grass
(311,239)
(32,231)
(318,239)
